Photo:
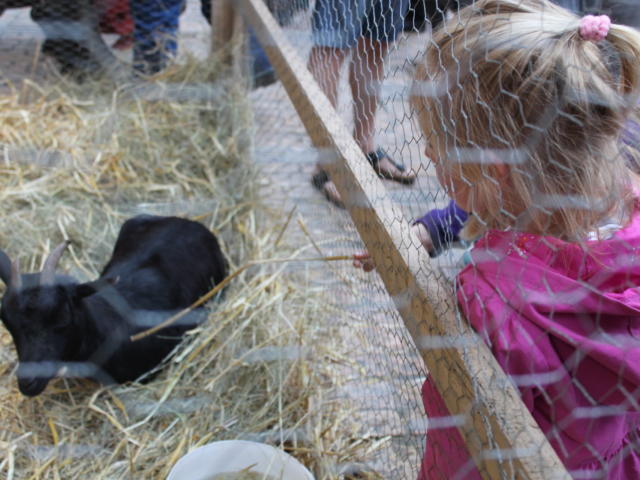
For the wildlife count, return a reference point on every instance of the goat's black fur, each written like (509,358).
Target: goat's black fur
(159,266)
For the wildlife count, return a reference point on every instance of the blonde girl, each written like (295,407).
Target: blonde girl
(522,105)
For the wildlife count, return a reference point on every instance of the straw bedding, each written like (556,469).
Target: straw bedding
(75,162)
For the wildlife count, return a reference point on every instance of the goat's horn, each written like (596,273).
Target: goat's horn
(48,274)
(15,283)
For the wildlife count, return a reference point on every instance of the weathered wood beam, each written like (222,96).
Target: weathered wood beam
(499,431)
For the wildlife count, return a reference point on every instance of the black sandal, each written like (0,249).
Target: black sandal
(375,158)
(319,180)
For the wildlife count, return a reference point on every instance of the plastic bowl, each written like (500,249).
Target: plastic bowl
(234,455)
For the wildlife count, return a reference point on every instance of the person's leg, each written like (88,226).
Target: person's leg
(383,22)
(336,25)
(324,64)
(366,73)
(336,28)
(155,33)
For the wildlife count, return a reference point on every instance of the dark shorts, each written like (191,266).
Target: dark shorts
(625,12)
(339,23)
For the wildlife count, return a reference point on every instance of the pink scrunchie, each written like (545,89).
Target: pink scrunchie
(594,28)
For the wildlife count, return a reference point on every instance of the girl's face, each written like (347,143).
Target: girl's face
(457,188)
(468,194)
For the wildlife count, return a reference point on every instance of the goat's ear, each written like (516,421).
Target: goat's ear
(89,288)
(5,268)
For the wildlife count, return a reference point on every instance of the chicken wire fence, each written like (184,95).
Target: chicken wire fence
(365,54)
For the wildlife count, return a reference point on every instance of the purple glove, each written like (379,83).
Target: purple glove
(444,226)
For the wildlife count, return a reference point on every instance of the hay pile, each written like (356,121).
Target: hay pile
(75,162)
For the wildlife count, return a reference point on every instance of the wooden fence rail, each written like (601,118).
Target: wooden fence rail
(499,431)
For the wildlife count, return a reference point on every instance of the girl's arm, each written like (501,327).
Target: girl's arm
(436,230)
(364,261)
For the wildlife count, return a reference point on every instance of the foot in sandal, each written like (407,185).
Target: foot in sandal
(321,181)
(387,167)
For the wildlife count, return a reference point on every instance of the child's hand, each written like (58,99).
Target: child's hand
(422,233)
(364,261)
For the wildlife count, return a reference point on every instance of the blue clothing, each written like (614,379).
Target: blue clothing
(155,33)
(340,23)
(444,226)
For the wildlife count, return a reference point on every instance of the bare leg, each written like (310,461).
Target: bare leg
(324,64)
(366,74)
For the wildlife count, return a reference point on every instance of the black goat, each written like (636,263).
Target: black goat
(159,265)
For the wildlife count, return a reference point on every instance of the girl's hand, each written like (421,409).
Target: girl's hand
(364,261)
(422,233)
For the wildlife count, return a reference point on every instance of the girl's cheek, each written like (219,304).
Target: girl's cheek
(440,175)
(457,189)
(444,178)
(460,193)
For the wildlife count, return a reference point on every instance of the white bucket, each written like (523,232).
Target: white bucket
(235,455)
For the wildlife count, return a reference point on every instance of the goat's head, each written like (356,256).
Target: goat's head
(38,311)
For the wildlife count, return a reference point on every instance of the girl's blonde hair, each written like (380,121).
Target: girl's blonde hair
(511,82)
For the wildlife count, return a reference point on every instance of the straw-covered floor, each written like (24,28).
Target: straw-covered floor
(75,162)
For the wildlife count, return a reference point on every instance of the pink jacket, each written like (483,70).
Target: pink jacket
(563,320)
